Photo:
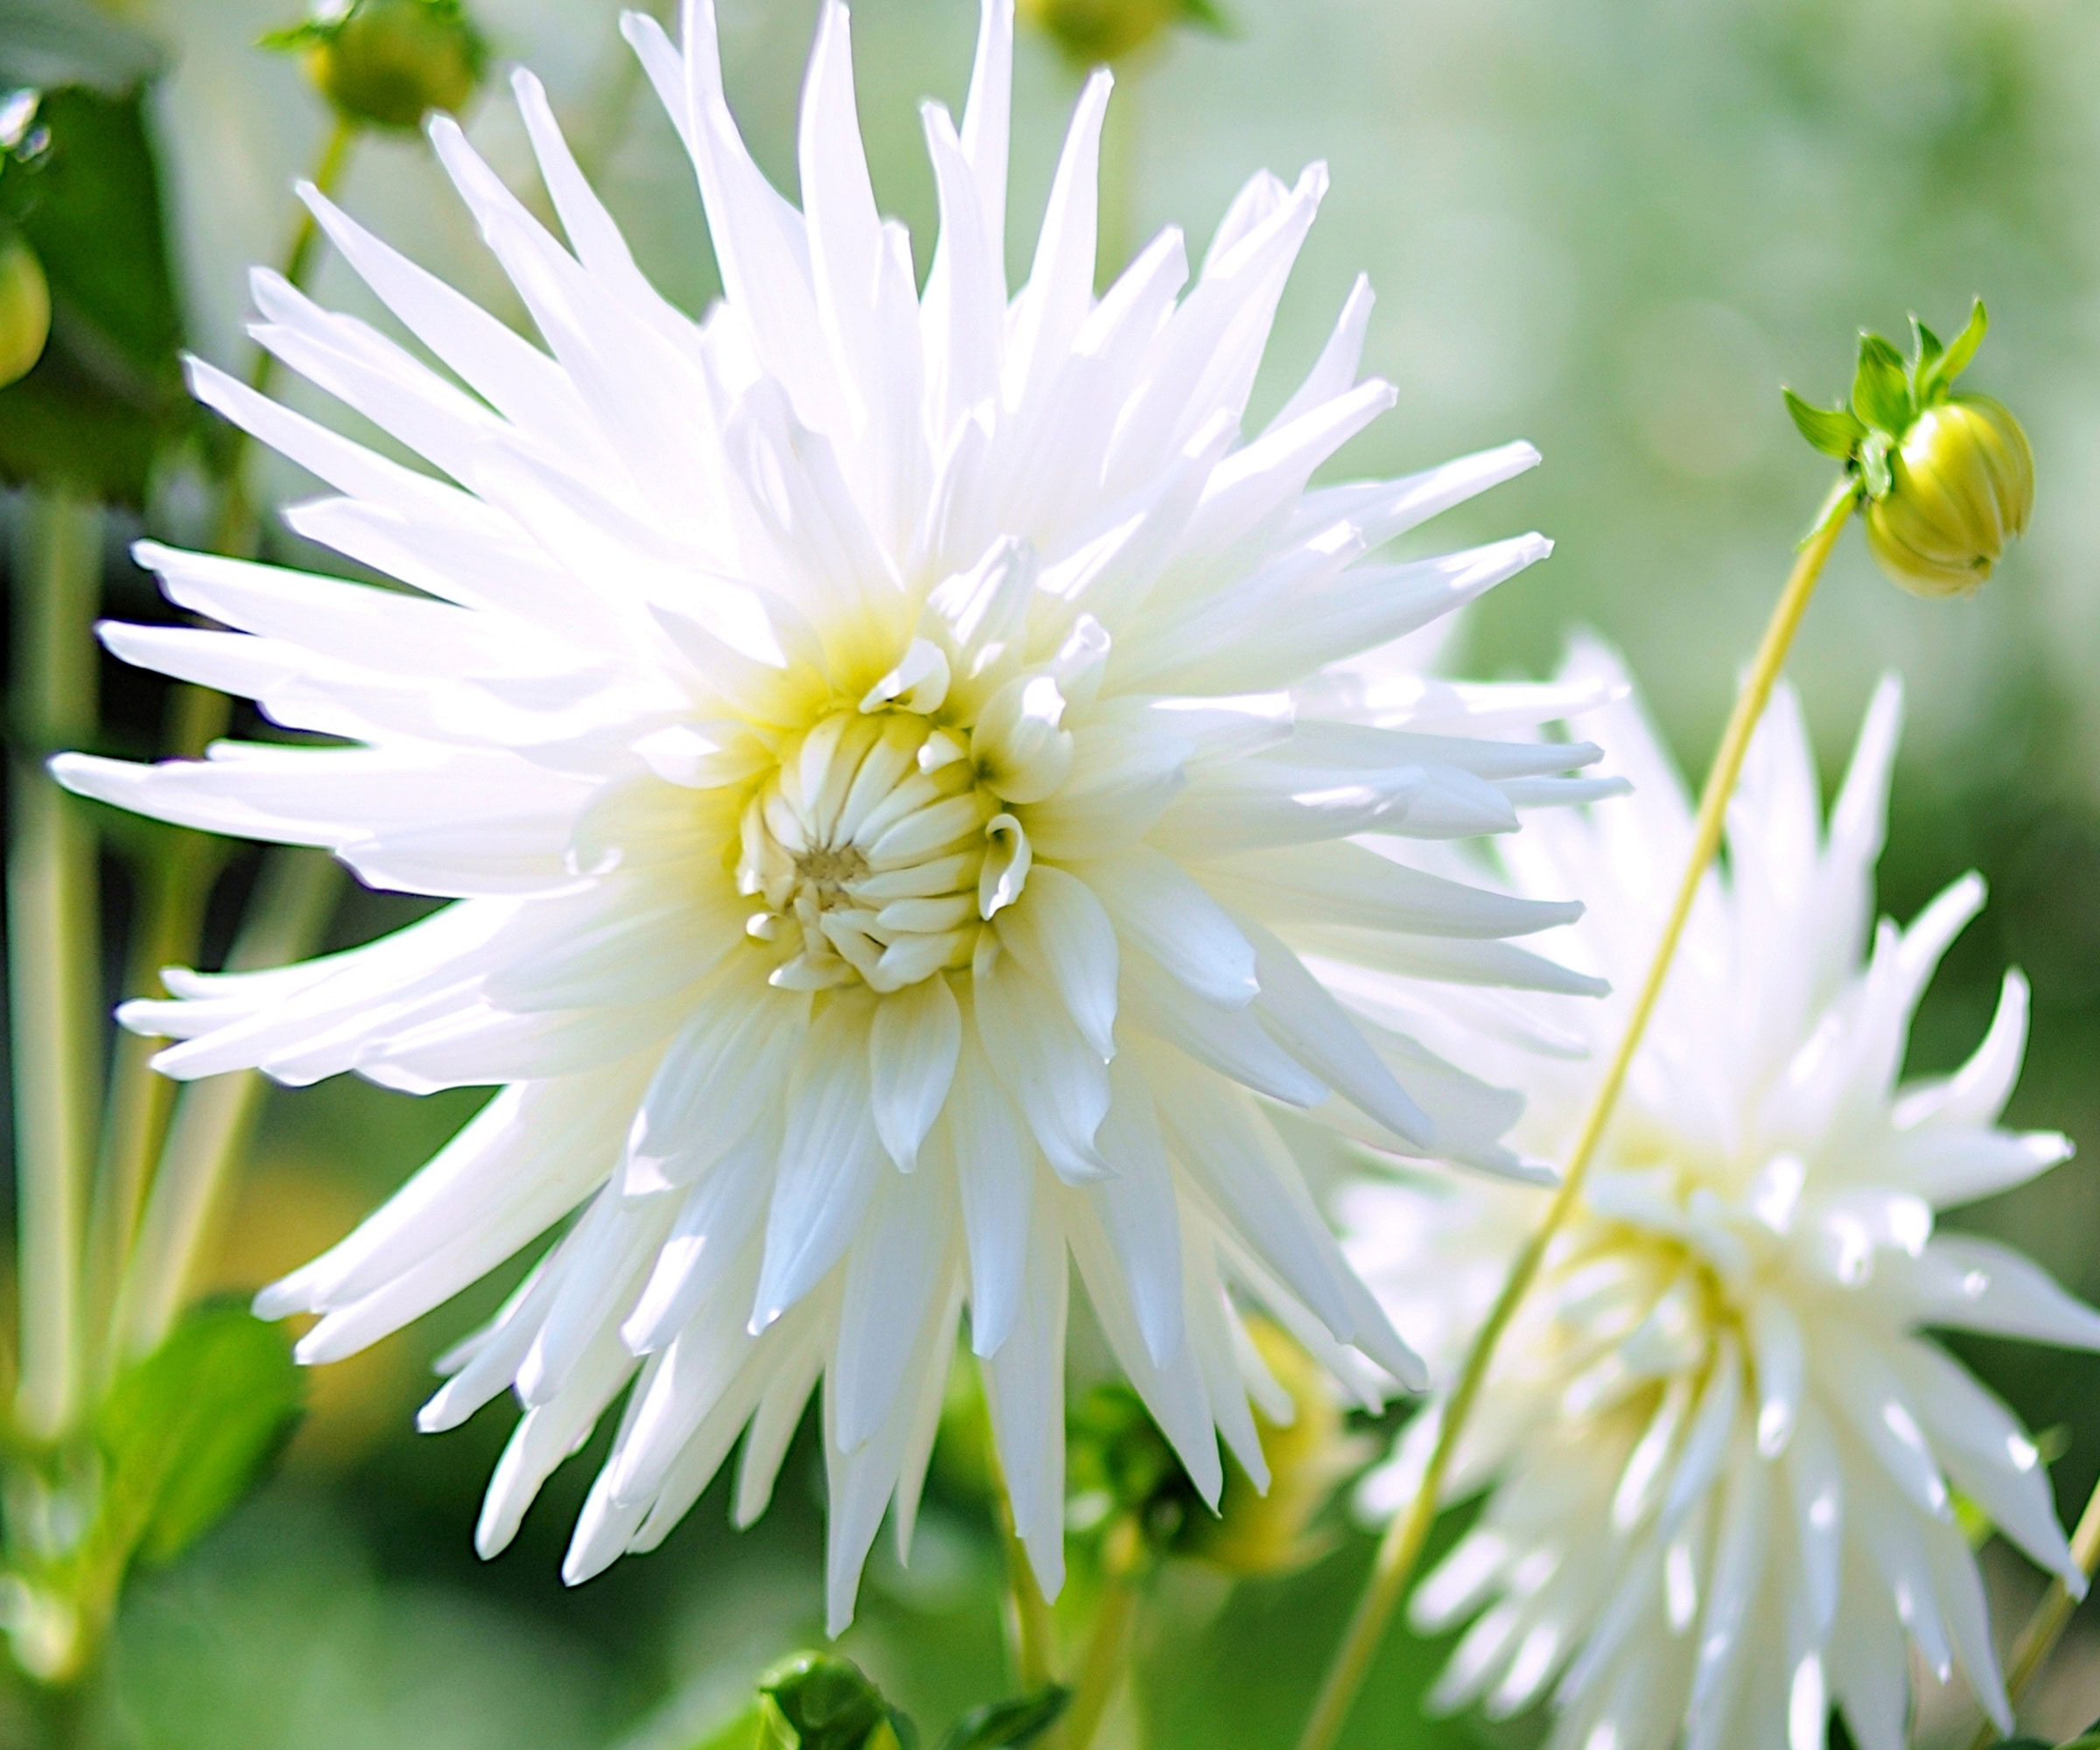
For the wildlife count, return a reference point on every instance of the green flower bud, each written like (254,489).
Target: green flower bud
(1962,483)
(388,63)
(24,308)
(1091,31)
(816,1701)
(1948,479)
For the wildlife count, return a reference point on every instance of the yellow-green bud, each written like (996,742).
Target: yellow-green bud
(24,308)
(1094,31)
(388,63)
(1962,483)
(1946,480)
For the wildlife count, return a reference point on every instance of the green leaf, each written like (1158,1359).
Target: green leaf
(741,1733)
(1881,386)
(108,394)
(1925,348)
(1831,430)
(1008,1724)
(187,1431)
(45,42)
(1206,15)
(1952,363)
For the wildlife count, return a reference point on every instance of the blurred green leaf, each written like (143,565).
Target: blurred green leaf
(1007,1725)
(107,393)
(47,43)
(1831,430)
(186,1433)
(1881,386)
(741,1733)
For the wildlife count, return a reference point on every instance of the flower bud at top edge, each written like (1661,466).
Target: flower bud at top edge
(388,63)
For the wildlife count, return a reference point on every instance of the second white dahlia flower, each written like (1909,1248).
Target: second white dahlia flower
(1720,1456)
(872,740)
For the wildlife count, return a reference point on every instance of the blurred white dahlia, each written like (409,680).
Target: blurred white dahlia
(1721,1461)
(872,739)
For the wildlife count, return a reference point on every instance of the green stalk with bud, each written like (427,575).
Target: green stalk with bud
(1948,479)
(1943,482)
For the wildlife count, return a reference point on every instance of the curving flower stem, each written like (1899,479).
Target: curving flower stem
(2038,1639)
(1402,1545)
(54,973)
(1108,1649)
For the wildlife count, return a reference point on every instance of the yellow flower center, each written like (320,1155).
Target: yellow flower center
(879,851)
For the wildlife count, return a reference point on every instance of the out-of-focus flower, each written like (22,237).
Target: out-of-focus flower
(1094,31)
(389,63)
(1722,1461)
(24,308)
(1949,478)
(874,742)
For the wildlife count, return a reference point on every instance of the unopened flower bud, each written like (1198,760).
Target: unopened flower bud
(817,1701)
(388,63)
(1948,479)
(1962,483)
(24,308)
(1092,31)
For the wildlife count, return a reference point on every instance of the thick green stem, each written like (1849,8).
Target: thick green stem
(295,897)
(54,960)
(1402,1545)
(1108,1650)
(2038,1639)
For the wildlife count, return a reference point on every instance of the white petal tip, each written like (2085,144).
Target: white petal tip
(281,1300)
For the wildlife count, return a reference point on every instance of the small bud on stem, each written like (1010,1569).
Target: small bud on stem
(1949,478)
(388,63)
(1093,32)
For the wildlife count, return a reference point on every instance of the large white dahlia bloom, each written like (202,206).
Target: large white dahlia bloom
(1721,1460)
(876,742)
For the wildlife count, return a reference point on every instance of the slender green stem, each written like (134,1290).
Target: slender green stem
(236,530)
(173,891)
(1402,1545)
(1031,1628)
(1108,1649)
(2038,1639)
(295,897)
(54,960)
(1030,1624)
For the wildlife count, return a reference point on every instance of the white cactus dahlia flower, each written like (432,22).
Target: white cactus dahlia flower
(871,739)
(1721,1459)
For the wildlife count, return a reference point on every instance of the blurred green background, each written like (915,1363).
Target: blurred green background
(1614,230)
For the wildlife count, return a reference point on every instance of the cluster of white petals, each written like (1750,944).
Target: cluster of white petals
(886,751)
(1721,1460)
